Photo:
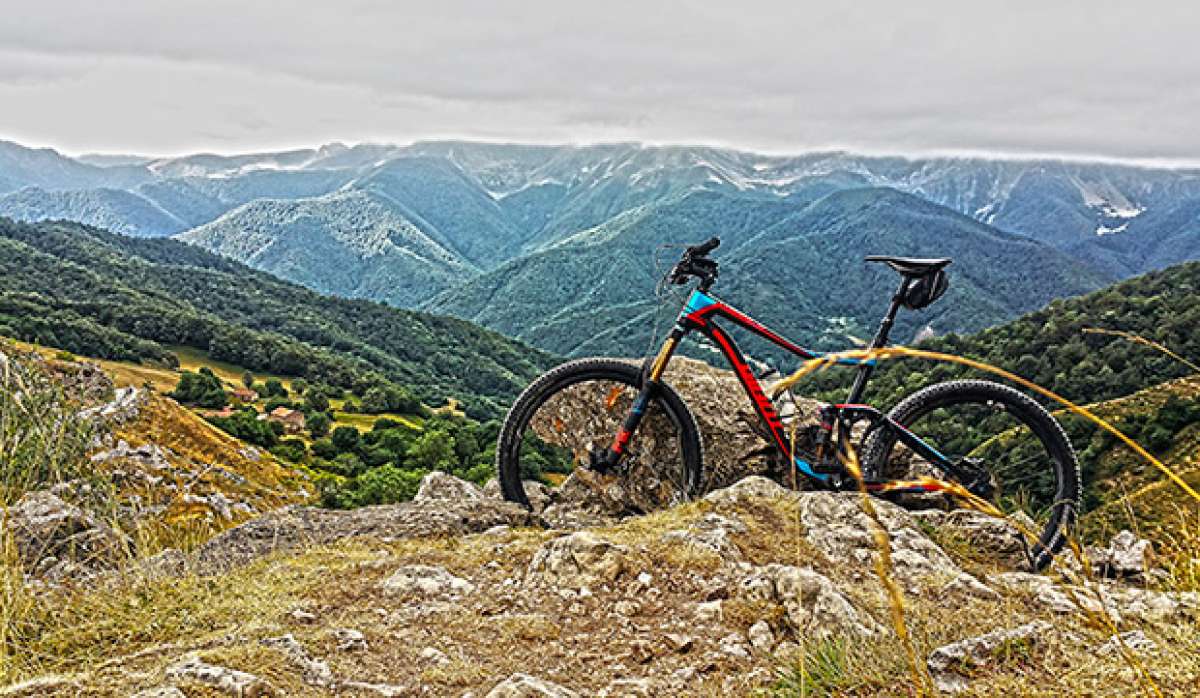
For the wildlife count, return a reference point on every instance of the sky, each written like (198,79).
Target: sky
(1078,79)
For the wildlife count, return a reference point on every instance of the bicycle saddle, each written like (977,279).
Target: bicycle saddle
(911,266)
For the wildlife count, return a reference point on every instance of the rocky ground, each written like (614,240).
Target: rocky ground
(458,593)
(753,589)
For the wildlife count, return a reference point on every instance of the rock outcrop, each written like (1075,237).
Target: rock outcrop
(293,527)
(56,540)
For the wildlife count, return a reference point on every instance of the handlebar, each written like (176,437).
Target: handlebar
(695,263)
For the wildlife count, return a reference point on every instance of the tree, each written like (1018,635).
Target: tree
(202,389)
(274,388)
(315,401)
(318,424)
(387,484)
(246,426)
(433,450)
(299,386)
(248,379)
(346,439)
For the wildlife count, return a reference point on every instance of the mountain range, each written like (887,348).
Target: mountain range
(562,245)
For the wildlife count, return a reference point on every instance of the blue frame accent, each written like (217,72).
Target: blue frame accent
(807,469)
(697,301)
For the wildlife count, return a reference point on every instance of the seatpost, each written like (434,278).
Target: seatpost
(880,341)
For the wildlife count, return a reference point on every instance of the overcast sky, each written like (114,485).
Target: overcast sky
(1111,79)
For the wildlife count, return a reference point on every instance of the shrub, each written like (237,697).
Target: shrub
(202,389)
(386,485)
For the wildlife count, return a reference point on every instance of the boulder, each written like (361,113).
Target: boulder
(526,686)
(836,525)
(734,438)
(747,488)
(438,485)
(814,606)
(951,666)
(578,560)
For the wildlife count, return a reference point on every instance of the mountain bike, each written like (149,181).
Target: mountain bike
(610,416)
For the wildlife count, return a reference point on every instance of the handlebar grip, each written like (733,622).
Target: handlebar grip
(712,244)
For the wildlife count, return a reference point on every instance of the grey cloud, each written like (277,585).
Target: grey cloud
(1103,78)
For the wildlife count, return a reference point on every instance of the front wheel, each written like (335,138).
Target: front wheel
(1023,459)
(574,410)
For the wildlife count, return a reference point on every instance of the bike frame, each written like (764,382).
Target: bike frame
(700,314)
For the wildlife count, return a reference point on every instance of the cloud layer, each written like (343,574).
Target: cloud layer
(1076,78)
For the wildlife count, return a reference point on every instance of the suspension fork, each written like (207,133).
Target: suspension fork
(651,381)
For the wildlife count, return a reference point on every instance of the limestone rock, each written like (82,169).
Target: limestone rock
(525,686)
(1135,640)
(314,672)
(160,692)
(226,680)
(747,488)
(56,539)
(836,524)
(712,532)
(813,605)
(425,580)
(350,640)
(761,637)
(1126,556)
(734,645)
(292,527)
(952,665)
(1000,538)
(1119,602)
(40,686)
(438,485)
(578,560)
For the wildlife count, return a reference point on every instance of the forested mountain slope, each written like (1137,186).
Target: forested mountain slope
(106,295)
(793,264)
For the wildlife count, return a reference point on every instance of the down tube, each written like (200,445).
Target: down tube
(762,403)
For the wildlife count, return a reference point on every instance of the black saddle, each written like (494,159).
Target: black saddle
(924,279)
(911,266)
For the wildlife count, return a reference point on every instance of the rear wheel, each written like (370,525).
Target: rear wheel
(1021,459)
(575,410)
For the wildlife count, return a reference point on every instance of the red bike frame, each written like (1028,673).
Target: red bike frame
(700,314)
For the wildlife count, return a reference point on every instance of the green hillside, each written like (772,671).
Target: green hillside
(351,243)
(100,294)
